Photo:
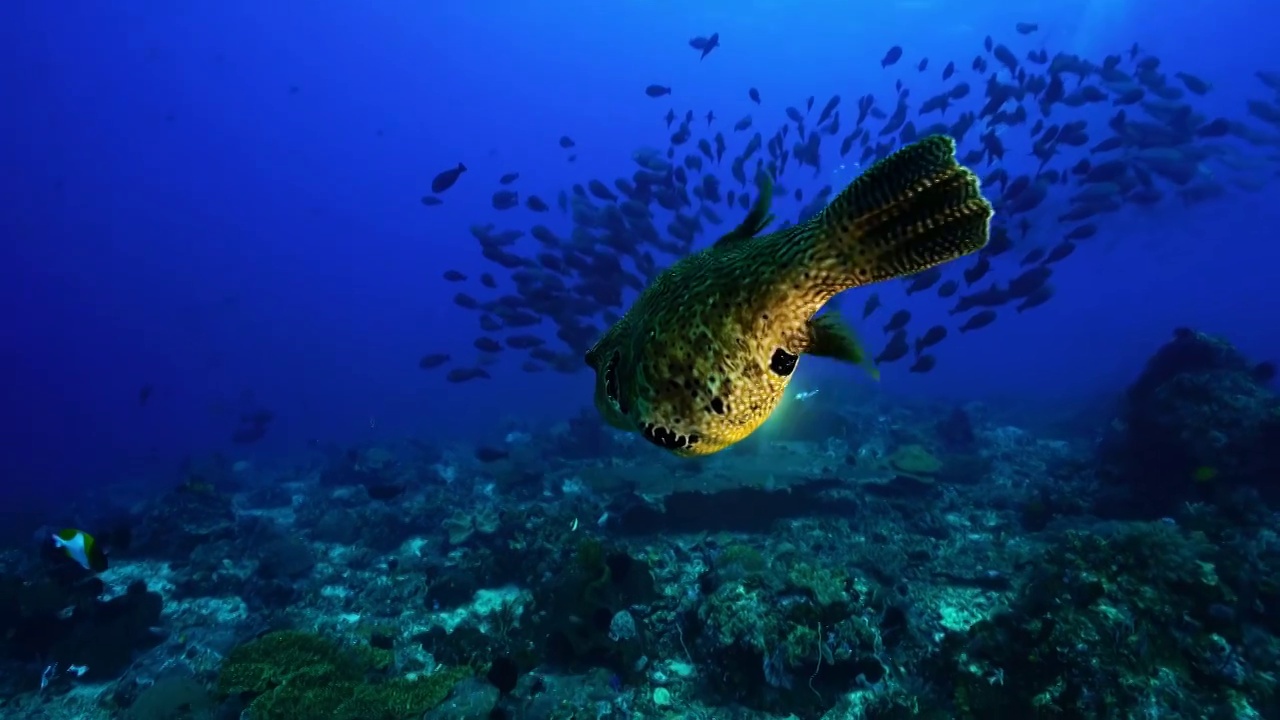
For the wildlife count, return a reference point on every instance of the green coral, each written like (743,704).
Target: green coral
(915,461)
(825,586)
(463,526)
(275,659)
(740,559)
(739,616)
(300,676)
(800,644)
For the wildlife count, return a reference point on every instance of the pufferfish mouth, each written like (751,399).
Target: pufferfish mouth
(667,439)
(612,388)
(608,392)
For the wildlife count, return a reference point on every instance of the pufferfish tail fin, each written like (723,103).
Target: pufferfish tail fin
(911,211)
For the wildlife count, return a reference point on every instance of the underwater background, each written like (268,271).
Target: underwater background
(319,395)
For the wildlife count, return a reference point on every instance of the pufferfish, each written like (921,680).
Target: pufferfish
(703,356)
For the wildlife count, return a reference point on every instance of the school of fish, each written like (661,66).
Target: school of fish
(1107,133)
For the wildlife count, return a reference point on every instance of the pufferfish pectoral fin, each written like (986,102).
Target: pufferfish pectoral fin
(831,337)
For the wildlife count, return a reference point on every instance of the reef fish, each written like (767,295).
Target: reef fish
(82,548)
(705,353)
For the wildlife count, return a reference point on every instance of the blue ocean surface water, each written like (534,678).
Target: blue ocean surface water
(307,410)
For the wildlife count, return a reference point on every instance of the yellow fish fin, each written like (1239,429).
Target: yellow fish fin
(831,337)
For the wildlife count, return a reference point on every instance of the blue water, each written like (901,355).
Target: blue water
(221,200)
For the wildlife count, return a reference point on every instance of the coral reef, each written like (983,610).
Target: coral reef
(1199,422)
(291,675)
(894,560)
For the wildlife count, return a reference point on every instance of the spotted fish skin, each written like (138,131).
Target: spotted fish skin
(705,353)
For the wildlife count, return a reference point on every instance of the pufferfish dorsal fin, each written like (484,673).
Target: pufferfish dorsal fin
(759,216)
